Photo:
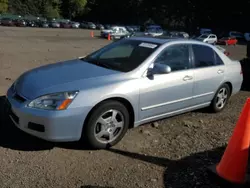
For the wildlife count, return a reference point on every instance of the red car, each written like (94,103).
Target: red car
(227,41)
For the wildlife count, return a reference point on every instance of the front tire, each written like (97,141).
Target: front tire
(106,125)
(220,99)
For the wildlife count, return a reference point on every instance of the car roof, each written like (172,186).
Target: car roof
(164,40)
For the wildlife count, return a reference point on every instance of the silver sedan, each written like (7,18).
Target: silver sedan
(125,84)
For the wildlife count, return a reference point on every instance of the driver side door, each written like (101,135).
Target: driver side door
(163,95)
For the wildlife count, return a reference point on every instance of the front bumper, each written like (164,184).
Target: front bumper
(58,126)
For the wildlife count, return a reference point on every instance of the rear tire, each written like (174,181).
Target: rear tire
(106,125)
(220,99)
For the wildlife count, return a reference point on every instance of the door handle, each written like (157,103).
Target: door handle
(220,71)
(187,78)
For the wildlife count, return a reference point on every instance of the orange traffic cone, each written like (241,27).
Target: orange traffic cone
(92,34)
(109,37)
(234,162)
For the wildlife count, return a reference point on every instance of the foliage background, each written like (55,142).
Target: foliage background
(188,14)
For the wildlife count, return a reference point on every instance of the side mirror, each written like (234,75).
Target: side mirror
(161,69)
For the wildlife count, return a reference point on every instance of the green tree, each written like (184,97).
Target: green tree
(51,12)
(72,8)
(3,6)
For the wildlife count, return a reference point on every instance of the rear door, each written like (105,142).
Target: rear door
(209,72)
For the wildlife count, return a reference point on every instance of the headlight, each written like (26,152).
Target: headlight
(55,101)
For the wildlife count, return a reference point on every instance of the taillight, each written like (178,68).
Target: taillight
(241,71)
(227,53)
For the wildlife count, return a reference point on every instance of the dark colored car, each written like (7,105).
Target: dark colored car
(84,25)
(99,26)
(91,25)
(7,22)
(65,25)
(54,24)
(20,23)
(43,24)
(107,26)
(31,23)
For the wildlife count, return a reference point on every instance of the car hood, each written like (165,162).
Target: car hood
(58,77)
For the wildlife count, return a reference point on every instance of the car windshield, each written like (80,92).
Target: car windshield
(124,55)
(224,38)
(203,36)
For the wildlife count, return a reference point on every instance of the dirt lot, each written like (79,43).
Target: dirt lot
(172,153)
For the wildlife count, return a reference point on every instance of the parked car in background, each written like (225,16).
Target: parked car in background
(20,23)
(130,29)
(54,24)
(178,34)
(238,35)
(84,25)
(136,28)
(91,25)
(43,24)
(107,26)
(75,25)
(208,38)
(31,23)
(99,26)
(116,32)
(65,24)
(227,41)
(154,32)
(7,22)
(125,84)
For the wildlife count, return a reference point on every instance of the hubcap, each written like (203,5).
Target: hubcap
(109,126)
(221,98)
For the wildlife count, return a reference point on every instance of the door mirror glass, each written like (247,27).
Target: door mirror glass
(161,69)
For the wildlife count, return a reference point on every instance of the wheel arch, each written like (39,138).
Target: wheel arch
(230,85)
(122,100)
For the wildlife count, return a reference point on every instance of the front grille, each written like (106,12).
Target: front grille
(19,98)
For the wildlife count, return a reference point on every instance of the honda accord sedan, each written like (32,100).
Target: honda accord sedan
(127,83)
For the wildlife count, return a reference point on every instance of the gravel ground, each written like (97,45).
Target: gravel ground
(169,153)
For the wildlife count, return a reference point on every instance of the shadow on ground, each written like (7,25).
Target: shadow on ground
(190,171)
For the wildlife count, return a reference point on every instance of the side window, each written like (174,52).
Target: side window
(175,56)
(203,56)
(218,60)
